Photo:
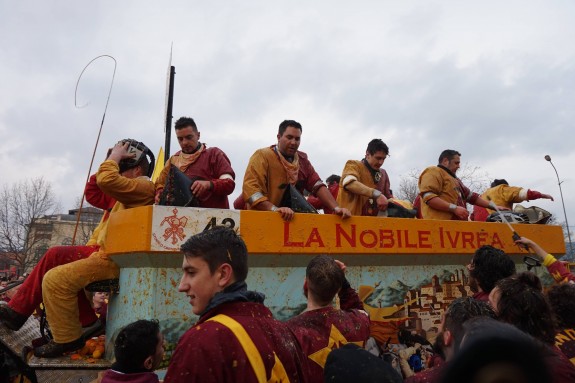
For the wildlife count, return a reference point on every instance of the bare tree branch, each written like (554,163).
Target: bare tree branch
(21,206)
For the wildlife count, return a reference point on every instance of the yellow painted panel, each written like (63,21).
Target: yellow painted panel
(266,232)
(129,230)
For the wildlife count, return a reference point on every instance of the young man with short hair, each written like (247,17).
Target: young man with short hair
(322,327)
(139,350)
(271,169)
(443,195)
(208,167)
(365,186)
(236,338)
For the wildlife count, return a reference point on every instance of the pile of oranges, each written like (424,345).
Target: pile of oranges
(92,350)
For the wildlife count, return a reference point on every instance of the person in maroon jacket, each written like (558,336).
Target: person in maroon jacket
(139,350)
(208,167)
(556,269)
(562,300)
(236,338)
(322,327)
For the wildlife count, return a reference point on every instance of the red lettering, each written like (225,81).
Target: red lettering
(314,237)
(407,244)
(481,239)
(467,238)
(423,236)
(386,238)
(287,241)
(399,243)
(496,241)
(441,243)
(340,233)
(452,241)
(363,239)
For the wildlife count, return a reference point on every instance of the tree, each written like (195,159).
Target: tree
(22,206)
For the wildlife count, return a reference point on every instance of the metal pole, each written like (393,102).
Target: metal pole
(169,104)
(559,182)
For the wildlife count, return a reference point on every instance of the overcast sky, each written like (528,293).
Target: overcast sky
(494,80)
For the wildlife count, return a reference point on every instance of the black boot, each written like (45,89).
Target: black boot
(54,350)
(11,319)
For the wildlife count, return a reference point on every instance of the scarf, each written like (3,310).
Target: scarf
(236,292)
(376,174)
(185,160)
(291,168)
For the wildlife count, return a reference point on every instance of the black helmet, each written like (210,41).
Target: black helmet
(141,152)
(511,216)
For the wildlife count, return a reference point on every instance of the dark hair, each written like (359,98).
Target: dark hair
(287,123)
(499,182)
(351,363)
(184,122)
(136,342)
(489,266)
(523,304)
(218,246)
(333,178)
(489,344)
(562,300)
(324,278)
(461,310)
(377,145)
(448,154)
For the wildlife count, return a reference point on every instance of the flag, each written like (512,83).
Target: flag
(159,165)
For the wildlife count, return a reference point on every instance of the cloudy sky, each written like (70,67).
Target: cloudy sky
(494,80)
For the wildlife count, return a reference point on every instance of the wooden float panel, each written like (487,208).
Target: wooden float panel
(165,229)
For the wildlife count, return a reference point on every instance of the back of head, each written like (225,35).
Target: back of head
(448,154)
(334,178)
(562,300)
(184,122)
(523,304)
(490,265)
(324,278)
(141,154)
(286,123)
(377,145)
(218,246)
(351,363)
(136,342)
(493,352)
(461,310)
(498,182)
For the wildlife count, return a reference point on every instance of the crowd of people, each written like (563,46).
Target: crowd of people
(236,337)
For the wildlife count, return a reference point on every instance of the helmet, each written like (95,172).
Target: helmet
(141,151)
(510,216)
(535,213)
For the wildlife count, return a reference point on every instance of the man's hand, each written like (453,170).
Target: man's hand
(342,211)
(120,152)
(341,265)
(201,188)
(158,195)
(461,213)
(381,202)
(286,212)
(539,251)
